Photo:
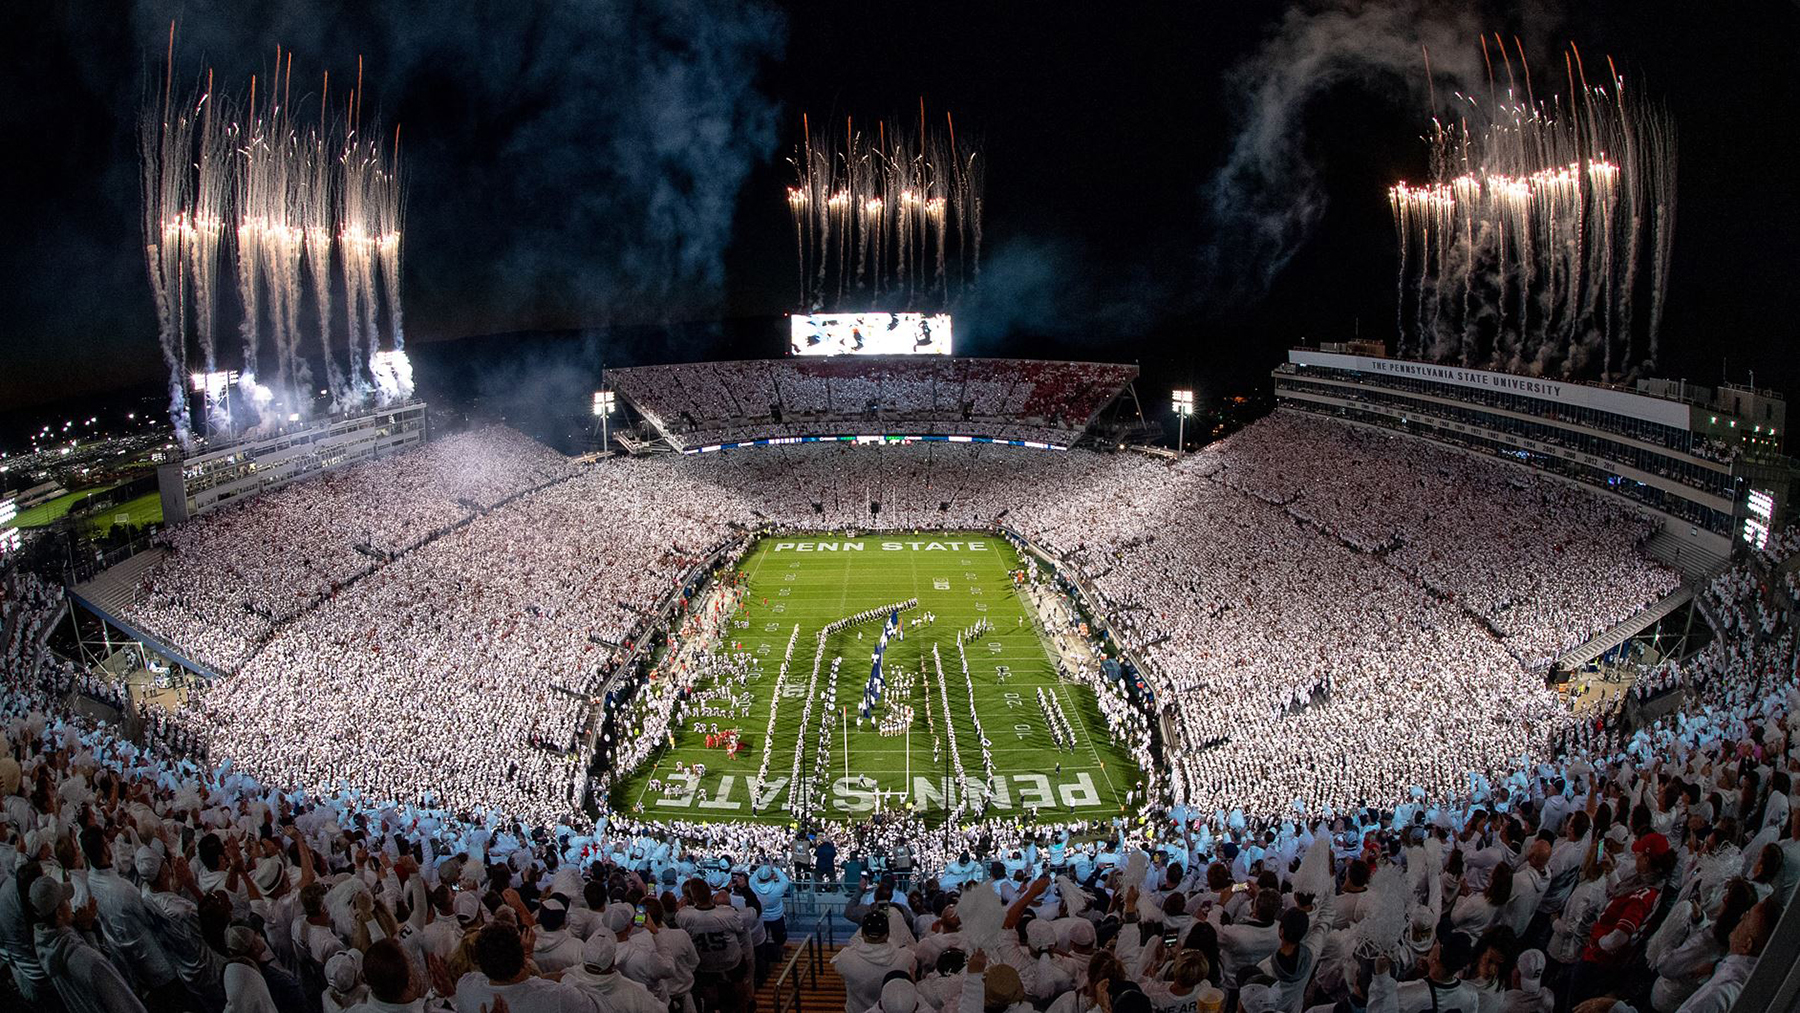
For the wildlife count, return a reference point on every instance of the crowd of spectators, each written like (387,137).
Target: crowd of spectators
(1440,515)
(1331,618)
(1630,871)
(704,403)
(231,579)
(463,669)
(31,606)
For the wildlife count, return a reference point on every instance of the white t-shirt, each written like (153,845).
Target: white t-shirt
(316,941)
(533,995)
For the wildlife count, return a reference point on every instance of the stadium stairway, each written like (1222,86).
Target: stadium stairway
(1696,568)
(115,589)
(803,981)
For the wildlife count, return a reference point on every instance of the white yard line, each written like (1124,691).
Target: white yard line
(873,760)
(1090,743)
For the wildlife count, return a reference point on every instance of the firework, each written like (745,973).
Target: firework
(165,137)
(207,221)
(874,211)
(387,203)
(290,197)
(356,254)
(1525,250)
(318,173)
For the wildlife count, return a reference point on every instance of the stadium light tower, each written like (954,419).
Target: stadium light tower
(9,532)
(603,408)
(1183,403)
(214,389)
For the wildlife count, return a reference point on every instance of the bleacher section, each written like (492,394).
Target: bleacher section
(1627,628)
(116,588)
(1695,565)
(703,404)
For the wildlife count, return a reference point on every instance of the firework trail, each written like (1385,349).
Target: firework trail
(165,135)
(207,223)
(271,245)
(356,242)
(1539,216)
(250,179)
(874,212)
(388,208)
(290,197)
(316,227)
(284,240)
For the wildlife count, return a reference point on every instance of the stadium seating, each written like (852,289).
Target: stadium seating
(705,403)
(373,777)
(1642,869)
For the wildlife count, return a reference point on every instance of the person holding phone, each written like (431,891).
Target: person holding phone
(770,885)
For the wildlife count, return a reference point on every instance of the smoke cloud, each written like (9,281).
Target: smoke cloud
(1267,197)
(1051,287)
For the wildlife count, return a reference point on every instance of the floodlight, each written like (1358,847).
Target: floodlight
(213,384)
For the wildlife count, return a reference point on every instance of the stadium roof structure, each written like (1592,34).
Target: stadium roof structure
(703,405)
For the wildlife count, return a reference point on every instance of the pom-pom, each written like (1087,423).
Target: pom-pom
(1314,875)
(982,916)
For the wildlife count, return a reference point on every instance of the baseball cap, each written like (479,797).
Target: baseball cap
(147,862)
(598,952)
(1531,966)
(467,908)
(618,917)
(1256,999)
(344,970)
(899,996)
(875,925)
(1002,986)
(48,894)
(1655,845)
(239,939)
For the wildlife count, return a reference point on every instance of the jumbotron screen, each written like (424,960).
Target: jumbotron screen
(870,334)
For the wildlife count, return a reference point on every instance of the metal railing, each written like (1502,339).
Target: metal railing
(802,966)
(816,906)
(1774,984)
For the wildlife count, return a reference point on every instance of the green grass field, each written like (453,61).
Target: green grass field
(52,510)
(145,509)
(140,510)
(959,578)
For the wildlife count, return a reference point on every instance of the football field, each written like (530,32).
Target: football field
(849,767)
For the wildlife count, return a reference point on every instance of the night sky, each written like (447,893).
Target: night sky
(576,165)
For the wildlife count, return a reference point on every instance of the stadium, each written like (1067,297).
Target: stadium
(860,669)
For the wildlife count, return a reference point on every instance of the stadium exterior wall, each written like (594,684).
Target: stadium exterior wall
(1663,411)
(1614,441)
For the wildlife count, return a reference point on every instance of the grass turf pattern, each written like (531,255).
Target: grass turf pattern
(959,578)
